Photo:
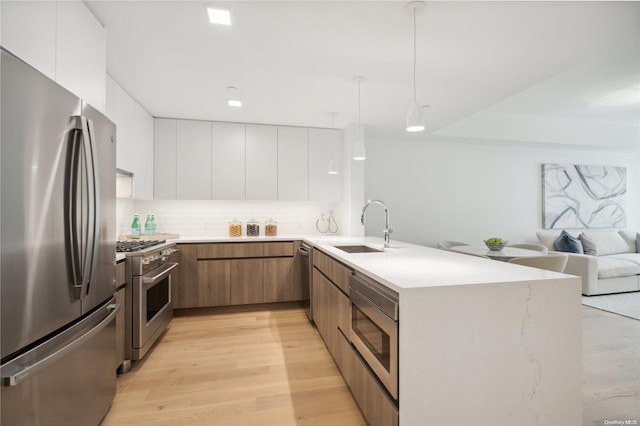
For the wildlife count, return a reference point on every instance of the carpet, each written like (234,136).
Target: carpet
(625,304)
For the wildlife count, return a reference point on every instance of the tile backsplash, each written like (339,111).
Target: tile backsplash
(191,218)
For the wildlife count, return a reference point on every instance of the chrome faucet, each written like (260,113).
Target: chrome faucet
(387,226)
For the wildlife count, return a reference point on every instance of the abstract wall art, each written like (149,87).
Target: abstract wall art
(577,196)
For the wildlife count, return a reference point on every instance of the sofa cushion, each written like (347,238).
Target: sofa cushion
(547,238)
(630,237)
(611,267)
(629,257)
(568,243)
(588,245)
(609,242)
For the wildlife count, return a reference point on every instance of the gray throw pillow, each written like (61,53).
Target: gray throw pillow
(568,243)
(589,246)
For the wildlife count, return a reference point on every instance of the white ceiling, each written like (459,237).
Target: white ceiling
(294,62)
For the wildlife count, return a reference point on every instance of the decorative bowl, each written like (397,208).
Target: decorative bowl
(496,244)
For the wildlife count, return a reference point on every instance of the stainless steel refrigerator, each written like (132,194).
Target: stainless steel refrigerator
(58,253)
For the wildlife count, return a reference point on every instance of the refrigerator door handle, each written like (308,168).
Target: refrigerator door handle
(73,215)
(93,232)
(16,378)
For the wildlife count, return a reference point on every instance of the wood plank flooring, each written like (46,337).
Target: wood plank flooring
(270,367)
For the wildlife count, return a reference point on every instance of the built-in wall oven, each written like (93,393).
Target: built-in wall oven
(374,329)
(149,307)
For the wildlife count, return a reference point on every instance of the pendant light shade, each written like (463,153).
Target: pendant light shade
(415,115)
(415,118)
(359,152)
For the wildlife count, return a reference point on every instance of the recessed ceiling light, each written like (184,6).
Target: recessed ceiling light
(219,16)
(234,103)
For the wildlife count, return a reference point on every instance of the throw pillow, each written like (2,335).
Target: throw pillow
(609,242)
(568,243)
(588,245)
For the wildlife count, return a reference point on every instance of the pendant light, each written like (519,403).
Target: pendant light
(415,114)
(333,168)
(359,152)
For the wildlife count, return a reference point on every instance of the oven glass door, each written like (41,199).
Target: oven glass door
(374,337)
(152,307)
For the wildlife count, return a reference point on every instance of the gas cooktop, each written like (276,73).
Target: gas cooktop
(130,246)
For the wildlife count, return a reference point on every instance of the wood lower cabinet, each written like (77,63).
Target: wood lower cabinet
(247,281)
(332,315)
(223,274)
(377,407)
(184,282)
(214,283)
(279,279)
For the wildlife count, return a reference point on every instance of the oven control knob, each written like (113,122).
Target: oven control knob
(146,261)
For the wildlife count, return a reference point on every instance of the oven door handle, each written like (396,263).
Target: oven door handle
(164,271)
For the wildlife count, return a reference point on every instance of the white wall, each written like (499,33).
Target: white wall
(470,191)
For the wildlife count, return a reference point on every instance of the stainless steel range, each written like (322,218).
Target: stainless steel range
(148,307)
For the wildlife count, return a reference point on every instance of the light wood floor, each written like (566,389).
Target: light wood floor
(244,368)
(271,368)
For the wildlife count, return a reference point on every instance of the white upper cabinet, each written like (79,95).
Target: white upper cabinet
(325,145)
(293,163)
(193,160)
(28,31)
(261,162)
(63,40)
(81,53)
(134,135)
(164,159)
(227,161)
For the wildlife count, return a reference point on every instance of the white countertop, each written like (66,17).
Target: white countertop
(406,266)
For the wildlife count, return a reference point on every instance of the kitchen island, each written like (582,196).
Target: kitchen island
(480,341)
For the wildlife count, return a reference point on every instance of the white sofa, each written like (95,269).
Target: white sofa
(613,268)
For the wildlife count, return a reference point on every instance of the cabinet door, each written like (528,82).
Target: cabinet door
(246,281)
(193,160)
(324,145)
(227,161)
(184,283)
(124,118)
(164,159)
(120,327)
(81,53)
(261,162)
(144,136)
(293,163)
(28,31)
(278,279)
(214,283)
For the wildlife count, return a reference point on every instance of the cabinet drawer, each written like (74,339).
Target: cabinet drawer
(121,276)
(230,250)
(335,271)
(377,407)
(278,249)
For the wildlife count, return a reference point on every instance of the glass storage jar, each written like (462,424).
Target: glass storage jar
(253,229)
(271,228)
(235,228)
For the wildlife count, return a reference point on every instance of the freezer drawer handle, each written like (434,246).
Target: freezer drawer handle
(15,379)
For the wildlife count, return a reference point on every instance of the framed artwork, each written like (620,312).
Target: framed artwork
(576,196)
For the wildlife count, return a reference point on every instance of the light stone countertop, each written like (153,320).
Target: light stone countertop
(406,266)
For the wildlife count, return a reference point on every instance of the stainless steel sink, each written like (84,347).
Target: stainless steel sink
(358,249)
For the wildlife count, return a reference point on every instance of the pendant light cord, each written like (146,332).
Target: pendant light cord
(359,81)
(415,97)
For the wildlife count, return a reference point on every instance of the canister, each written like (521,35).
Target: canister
(253,228)
(271,228)
(235,228)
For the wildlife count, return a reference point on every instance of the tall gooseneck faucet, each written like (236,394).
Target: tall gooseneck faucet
(387,226)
